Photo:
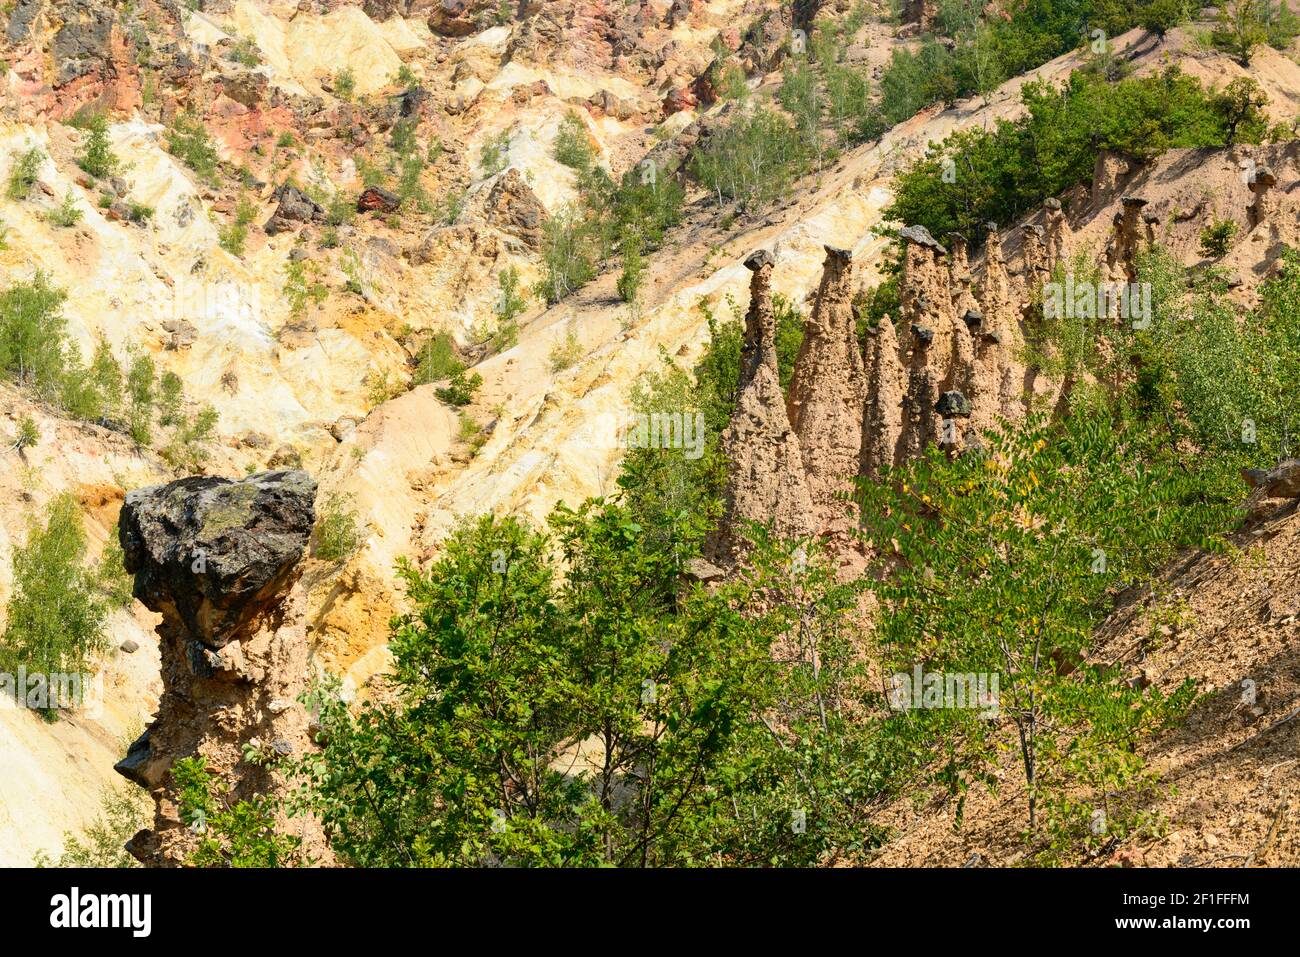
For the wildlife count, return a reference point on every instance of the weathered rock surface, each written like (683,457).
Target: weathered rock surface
(828,391)
(514,208)
(211,553)
(219,560)
(765,482)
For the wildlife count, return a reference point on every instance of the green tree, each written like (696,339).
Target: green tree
(753,159)
(568,255)
(232,833)
(121,815)
(233,237)
(572,145)
(23,171)
(188,140)
(337,530)
(98,160)
(633,275)
(55,618)
(28,435)
(1242,25)
(34,351)
(595,718)
(141,397)
(1241,105)
(509,306)
(460,388)
(107,383)
(67,214)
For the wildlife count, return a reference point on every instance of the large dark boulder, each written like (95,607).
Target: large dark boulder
(953,405)
(20,20)
(295,208)
(83,44)
(376,199)
(211,554)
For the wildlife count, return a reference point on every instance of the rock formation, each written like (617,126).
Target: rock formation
(919,427)
(925,293)
(883,417)
(1124,242)
(219,560)
(960,279)
(995,344)
(765,481)
(828,391)
(1057,233)
(919,13)
(514,208)
(1263,208)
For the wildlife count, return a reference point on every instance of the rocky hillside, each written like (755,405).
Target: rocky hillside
(308,198)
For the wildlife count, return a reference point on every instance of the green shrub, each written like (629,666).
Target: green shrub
(301,288)
(55,617)
(568,255)
(141,398)
(337,531)
(753,159)
(1217,236)
(1243,25)
(494,154)
(23,171)
(345,84)
(410,188)
(34,348)
(451,206)
(371,173)
(509,306)
(122,813)
(232,833)
(233,237)
(572,145)
(519,643)
(1036,538)
(405,77)
(171,398)
(565,352)
(106,384)
(470,432)
(188,141)
(98,159)
(245,52)
(998,174)
(111,578)
(342,209)
(460,389)
(438,360)
(28,434)
(67,214)
(633,275)
(350,263)
(186,451)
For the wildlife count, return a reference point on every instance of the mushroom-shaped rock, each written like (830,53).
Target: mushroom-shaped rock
(218,559)
(828,389)
(765,482)
(210,552)
(921,236)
